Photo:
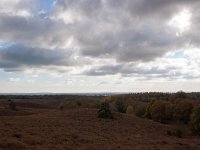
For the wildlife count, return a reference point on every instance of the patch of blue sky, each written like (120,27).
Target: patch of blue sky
(48,4)
(45,5)
(4,44)
(4,76)
(177,54)
(42,77)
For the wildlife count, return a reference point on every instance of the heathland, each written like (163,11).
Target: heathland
(136,121)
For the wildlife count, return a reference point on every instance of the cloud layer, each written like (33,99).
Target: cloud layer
(99,37)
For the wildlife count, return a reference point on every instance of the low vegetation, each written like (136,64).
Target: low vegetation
(163,107)
(164,118)
(12,105)
(140,110)
(120,107)
(129,110)
(195,121)
(178,133)
(161,111)
(104,111)
(182,111)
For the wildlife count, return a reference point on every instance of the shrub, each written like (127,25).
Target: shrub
(94,104)
(119,105)
(104,111)
(158,111)
(129,110)
(195,121)
(169,133)
(169,111)
(12,105)
(69,104)
(148,109)
(61,106)
(182,111)
(78,103)
(140,110)
(180,94)
(178,133)
(161,111)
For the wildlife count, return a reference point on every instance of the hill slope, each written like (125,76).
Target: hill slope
(80,129)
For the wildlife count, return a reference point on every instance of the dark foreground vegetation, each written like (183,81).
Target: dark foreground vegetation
(127,121)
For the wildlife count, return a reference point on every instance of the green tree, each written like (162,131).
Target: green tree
(140,110)
(182,111)
(104,111)
(120,107)
(161,111)
(148,109)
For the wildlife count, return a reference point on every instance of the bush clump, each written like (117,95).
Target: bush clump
(180,94)
(61,106)
(161,111)
(195,121)
(12,105)
(140,110)
(129,110)
(78,103)
(104,111)
(182,111)
(169,111)
(149,109)
(94,104)
(120,107)
(178,133)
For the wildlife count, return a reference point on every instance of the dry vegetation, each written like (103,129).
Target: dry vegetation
(71,122)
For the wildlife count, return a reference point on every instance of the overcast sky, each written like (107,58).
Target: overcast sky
(99,45)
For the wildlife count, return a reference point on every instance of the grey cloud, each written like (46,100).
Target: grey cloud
(145,73)
(106,29)
(140,8)
(17,56)
(142,73)
(192,35)
(124,70)
(88,8)
(127,45)
(32,30)
(117,32)
(128,31)
(153,9)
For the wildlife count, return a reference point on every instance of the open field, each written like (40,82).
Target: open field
(38,125)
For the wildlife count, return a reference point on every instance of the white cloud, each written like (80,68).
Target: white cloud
(14,79)
(181,21)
